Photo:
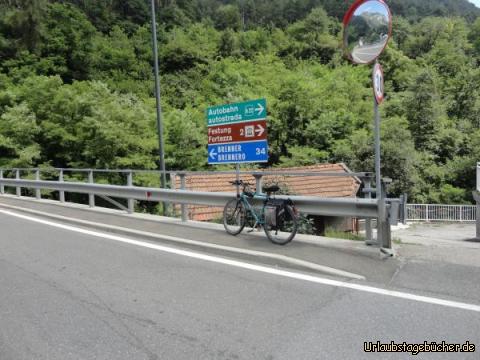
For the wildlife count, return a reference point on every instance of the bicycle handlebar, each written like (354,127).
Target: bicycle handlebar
(240,182)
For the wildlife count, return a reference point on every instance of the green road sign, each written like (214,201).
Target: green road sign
(239,112)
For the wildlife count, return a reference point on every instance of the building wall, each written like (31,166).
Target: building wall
(346,224)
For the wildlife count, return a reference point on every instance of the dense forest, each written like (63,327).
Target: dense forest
(76,86)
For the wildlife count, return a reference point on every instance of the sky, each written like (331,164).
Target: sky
(375,7)
(476,2)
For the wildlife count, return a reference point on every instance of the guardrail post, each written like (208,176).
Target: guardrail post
(476,196)
(91,197)
(427,219)
(258,183)
(383,229)
(130,202)
(173,186)
(477,218)
(368,222)
(2,187)
(183,185)
(17,176)
(38,193)
(62,193)
(478,176)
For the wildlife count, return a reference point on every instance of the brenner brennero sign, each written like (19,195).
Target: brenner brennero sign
(237,133)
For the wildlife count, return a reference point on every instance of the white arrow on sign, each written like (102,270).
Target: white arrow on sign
(213,154)
(260,109)
(259,130)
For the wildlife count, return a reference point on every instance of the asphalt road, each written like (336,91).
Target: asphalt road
(364,54)
(458,234)
(72,295)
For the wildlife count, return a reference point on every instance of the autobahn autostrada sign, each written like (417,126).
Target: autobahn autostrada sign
(237,133)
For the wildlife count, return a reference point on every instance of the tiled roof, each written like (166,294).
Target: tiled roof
(322,186)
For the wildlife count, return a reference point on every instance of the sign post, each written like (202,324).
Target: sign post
(378,91)
(367,29)
(237,133)
(476,196)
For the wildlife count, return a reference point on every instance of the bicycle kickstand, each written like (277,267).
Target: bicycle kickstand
(254,227)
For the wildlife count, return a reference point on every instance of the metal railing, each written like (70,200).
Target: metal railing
(341,207)
(441,213)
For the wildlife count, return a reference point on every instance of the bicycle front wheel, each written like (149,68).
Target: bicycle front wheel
(286,228)
(234,215)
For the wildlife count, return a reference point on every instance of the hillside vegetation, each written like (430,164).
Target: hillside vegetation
(76,86)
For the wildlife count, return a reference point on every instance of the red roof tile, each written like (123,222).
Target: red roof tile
(322,186)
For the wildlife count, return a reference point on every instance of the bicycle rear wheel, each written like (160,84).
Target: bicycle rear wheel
(234,215)
(286,228)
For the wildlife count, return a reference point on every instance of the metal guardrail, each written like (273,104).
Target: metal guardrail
(180,173)
(341,207)
(441,213)
(363,208)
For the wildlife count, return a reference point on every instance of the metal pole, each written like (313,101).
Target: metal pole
(258,183)
(383,228)
(183,186)
(17,176)
(91,197)
(478,176)
(2,187)
(378,176)
(238,179)
(173,186)
(62,193)
(386,235)
(476,196)
(163,178)
(38,193)
(130,202)
(368,222)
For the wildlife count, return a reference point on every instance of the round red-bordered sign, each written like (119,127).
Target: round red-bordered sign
(378,83)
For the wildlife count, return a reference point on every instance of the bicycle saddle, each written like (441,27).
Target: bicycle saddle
(271,189)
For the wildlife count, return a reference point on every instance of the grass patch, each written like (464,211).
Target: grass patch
(332,233)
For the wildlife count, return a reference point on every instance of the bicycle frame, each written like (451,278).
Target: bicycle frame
(259,219)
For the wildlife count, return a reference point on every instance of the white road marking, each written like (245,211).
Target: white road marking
(137,233)
(259,268)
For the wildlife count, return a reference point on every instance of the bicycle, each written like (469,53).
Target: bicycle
(278,217)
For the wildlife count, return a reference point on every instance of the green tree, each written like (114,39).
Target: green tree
(228,17)
(67,42)
(185,140)
(228,43)
(313,38)
(22,22)
(18,137)
(474,37)
(424,109)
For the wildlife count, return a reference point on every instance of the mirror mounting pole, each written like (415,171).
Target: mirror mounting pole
(367,30)
(383,237)
(378,176)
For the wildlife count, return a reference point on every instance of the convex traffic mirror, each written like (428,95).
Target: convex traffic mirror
(368,26)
